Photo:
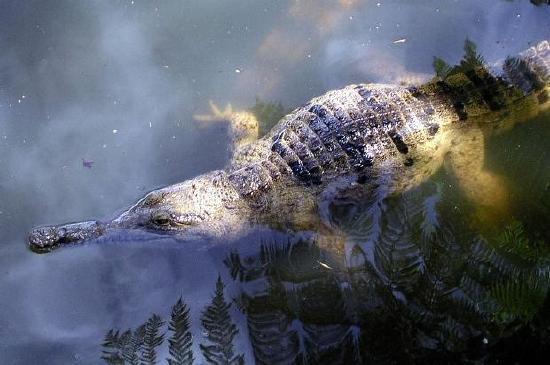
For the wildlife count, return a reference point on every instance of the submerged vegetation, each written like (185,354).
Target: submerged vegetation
(268,114)
(525,279)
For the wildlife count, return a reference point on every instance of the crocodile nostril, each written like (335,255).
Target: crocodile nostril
(43,239)
(34,238)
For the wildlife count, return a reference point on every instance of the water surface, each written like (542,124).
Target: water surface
(117,84)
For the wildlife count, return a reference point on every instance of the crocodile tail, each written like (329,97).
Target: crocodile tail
(530,70)
(528,77)
(476,89)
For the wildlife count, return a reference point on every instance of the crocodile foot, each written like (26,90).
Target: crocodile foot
(216,115)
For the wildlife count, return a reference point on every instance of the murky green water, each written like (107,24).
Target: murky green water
(419,281)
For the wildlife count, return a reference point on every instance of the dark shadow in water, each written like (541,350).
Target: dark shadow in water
(540,2)
(521,154)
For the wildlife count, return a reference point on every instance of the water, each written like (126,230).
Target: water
(117,84)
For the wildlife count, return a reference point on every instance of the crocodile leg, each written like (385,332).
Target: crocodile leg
(485,189)
(243,125)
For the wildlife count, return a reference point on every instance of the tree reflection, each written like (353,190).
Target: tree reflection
(141,346)
(220,331)
(181,340)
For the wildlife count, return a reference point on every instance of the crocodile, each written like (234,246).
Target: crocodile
(379,139)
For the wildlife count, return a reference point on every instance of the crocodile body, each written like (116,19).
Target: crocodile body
(379,138)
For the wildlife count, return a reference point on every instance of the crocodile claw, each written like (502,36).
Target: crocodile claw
(216,115)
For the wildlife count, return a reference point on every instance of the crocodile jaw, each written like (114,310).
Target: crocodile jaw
(47,238)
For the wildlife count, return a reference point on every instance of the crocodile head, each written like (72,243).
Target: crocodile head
(207,205)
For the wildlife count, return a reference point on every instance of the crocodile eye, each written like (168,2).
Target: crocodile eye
(161,219)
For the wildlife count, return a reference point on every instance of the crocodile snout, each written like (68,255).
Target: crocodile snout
(45,239)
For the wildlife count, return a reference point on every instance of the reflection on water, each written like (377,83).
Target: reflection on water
(422,288)
(141,345)
(418,281)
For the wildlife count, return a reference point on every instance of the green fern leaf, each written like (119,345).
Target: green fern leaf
(519,298)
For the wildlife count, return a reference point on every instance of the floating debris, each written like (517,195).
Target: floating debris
(400,40)
(324,265)
(87,163)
